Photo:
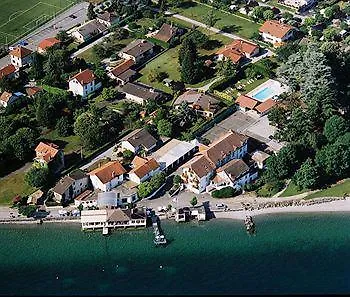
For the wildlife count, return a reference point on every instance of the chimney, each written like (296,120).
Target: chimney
(113,174)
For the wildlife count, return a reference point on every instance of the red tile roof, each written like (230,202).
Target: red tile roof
(48,42)
(84,77)
(5,96)
(46,151)
(245,101)
(149,166)
(238,49)
(266,105)
(20,52)
(122,67)
(7,70)
(275,28)
(108,171)
(31,91)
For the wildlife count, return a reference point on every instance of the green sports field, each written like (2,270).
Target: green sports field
(19,17)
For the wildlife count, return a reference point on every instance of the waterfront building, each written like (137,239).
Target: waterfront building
(113,218)
(144,169)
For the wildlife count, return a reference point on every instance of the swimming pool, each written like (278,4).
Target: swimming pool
(264,94)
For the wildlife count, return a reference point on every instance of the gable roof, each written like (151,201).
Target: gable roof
(137,48)
(63,185)
(260,156)
(20,52)
(246,102)
(117,215)
(91,28)
(224,146)
(234,168)
(140,137)
(46,151)
(122,67)
(140,91)
(166,32)
(200,165)
(31,91)
(108,171)
(7,70)
(266,105)
(84,77)
(138,161)
(107,17)
(149,166)
(48,42)
(199,100)
(237,50)
(275,28)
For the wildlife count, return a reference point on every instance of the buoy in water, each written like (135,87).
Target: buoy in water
(57,277)
(160,266)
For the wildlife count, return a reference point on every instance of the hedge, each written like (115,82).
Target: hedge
(226,192)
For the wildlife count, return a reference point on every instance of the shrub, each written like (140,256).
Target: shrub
(225,192)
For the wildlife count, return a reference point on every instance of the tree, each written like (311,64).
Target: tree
(109,94)
(177,179)
(199,39)
(210,18)
(36,69)
(64,126)
(45,113)
(334,127)
(164,128)
(120,33)
(194,201)
(127,154)
(63,36)
(268,14)
(90,12)
(307,176)
(227,68)
(156,75)
(87,126)
(22,143)
(37,176)
(189,62)
(258,12)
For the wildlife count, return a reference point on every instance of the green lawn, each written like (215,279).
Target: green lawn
(232,23)
(20,17)
(13,185)
(71,143)
(333,191)
(247,88)
(292,190)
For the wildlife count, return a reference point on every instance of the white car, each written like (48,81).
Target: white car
(221,205)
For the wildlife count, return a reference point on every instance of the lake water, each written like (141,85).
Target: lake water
(299,253)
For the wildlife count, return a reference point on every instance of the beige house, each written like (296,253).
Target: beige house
(275,32)
(51,155)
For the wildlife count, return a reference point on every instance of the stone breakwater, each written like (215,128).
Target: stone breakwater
(301,202)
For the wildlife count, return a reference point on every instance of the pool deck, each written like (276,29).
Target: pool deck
(276,87)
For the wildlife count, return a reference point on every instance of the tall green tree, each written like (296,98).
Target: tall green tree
(307,176)
(90,12)
(37,176)
(189,62)
(22,143)
(334,127)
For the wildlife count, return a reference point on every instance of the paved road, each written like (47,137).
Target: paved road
(63,21)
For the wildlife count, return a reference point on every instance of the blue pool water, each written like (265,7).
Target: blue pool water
(264,94)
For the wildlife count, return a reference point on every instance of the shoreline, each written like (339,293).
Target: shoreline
(333,206)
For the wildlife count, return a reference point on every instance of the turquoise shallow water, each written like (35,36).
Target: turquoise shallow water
(290,254)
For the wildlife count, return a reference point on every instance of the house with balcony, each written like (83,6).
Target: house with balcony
(143,169)
(275,32)
(198,172)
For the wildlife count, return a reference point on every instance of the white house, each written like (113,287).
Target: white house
(198,172)
(120,196)
(21,56)
(235,174)
(139,139)
(300,5)
(84,83)
(143,169)
(275,32)
(71,186)
(86,199)
(108,176)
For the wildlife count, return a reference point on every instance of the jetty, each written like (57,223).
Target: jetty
(249,224)
(159,237)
